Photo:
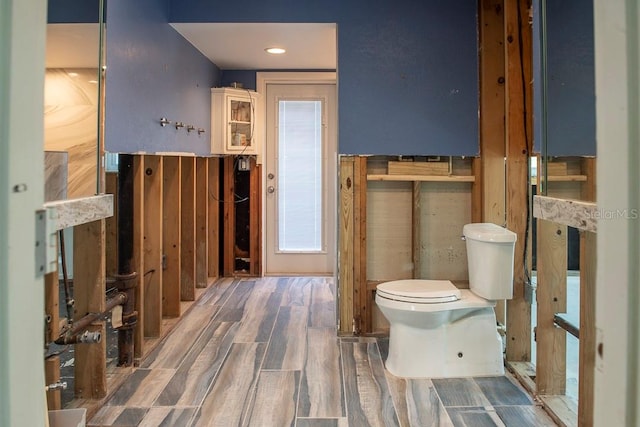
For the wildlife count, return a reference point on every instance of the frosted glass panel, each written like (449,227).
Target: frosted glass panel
(300,176)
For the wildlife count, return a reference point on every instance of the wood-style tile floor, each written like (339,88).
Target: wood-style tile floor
(264,352)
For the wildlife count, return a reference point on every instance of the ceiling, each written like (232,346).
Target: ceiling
(72,45)
(231,46)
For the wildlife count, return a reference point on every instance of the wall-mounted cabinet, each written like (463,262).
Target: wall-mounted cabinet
(234,126)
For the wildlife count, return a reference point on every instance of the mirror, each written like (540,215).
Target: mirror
(73,104)
(566,125)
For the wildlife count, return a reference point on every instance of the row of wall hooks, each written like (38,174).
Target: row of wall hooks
(164,121)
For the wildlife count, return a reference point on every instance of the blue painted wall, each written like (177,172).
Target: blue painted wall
(73,11)
(570,79)
(407,70)
(153,72)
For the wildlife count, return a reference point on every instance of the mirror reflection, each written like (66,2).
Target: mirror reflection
(71,105)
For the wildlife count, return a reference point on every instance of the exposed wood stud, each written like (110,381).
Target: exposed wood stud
(188,229)
(171,236)
(138,250)
(416,230)
(229,219)
(587,357)
(551,298)
(518,114)
(52,376)
(152,246)
(89,292)
(255,210)
(111,224)
(214,217)
(201,216)
(345,275)
(363,300)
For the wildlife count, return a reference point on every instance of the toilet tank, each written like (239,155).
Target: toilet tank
(490,251)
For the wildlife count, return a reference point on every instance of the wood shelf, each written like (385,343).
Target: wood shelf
(422,178)
(567,178)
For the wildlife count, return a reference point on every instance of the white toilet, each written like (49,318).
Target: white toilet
(440,331)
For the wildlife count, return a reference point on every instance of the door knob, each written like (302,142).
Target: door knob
(270,189)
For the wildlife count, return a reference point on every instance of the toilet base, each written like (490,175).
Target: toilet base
(467,347)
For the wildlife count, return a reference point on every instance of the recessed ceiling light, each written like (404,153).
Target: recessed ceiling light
(72,74)
(275,50)
(93,81)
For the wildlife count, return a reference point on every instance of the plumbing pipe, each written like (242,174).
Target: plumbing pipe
(125,280)
(60,385)
(71,336)
(65,278)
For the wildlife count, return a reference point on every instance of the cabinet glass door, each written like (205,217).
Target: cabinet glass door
(241,124)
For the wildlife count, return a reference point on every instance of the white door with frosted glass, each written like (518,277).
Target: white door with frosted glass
(300,179)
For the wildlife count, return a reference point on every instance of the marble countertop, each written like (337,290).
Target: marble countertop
(573,213)
(72,212)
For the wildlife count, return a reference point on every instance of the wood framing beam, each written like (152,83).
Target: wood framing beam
(111,224)
(89,292)
(476,191)
(138,250)
(492,182)
(171,239)
(587,357)
(492,110)
(152,246)
(346,218)
(416,215)
(188,230)
(213,210)
(588,190)
(52,309)
(52,376)
(551,298)
(229,219)
(255,213)
(202,228)
(362,298)
(518,125)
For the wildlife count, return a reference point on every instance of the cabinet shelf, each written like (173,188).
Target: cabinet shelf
(567,178)
(423,178)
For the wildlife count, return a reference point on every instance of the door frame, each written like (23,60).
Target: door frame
(283,78)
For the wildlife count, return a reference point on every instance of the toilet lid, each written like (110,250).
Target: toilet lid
(419,291)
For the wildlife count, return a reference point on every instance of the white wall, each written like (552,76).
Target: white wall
(22,47)
(618,185)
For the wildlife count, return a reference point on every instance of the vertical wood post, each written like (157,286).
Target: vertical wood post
(518,119)
(214,217)
(138,249)
(587,357)
(255,213)
(188,230)
(111,226)
(416,215)
(152,246)
(171,215)
(492,120)
(345,275)
(229,209)
(552,298)
(201,215)
(362,297)
(52,309)
(89,291)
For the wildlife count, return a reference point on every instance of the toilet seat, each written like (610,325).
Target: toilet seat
(419,291)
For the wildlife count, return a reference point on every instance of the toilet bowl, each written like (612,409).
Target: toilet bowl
(440,331)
